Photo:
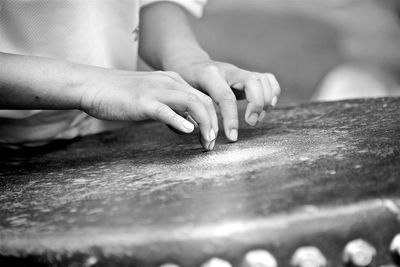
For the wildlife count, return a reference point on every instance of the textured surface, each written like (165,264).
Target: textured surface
(318,174)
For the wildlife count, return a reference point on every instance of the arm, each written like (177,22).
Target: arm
(166,36)
(167,42)
(39,83)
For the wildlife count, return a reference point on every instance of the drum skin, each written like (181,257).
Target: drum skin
(319,174)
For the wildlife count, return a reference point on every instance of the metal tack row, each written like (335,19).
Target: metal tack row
(357,253)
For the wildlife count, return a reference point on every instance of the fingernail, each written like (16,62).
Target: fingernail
(188,126)
(273,81)
(252,120)
(238,86)
(211,146)
(262,115)
(204,143)
(274,101)
(233,134)
(191,120)
(212,135)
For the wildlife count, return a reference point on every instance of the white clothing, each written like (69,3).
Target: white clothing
(101,33)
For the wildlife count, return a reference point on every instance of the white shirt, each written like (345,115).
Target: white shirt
(101,33)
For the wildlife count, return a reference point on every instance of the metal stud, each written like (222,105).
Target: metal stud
(395,249)
(308,257)
(259,258)
(92,260)
(359,253)
(216,262)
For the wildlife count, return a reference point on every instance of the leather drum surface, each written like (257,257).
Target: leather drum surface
(318,175)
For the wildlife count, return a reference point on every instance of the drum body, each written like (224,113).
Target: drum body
(318,175)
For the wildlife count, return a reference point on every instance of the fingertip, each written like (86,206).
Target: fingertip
(233,135)
(273,80)
(204,142)
(187,126)
(262,115)
(275,84)
(191,120)
(252,115)
(212,135)
(216,131)
(274,101)
(252,119)
(211,146)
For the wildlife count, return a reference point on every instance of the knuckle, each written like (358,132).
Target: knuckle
(258,106)
(208,100)
(172,74)
(232,122)
(159,73)
(164,75)
(174,117)
(211,69)
(258,100)
(192,98)
(255,76)
(162,78)
(171,82)
(228,97)
(161,110)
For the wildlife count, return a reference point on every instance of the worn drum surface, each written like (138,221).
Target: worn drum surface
(319,175)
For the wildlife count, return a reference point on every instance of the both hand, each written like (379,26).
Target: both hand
(167,97)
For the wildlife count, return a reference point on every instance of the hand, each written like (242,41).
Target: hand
(163,96)
(217,79)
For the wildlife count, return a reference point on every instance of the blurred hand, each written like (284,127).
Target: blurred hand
(217,79)
(163,96)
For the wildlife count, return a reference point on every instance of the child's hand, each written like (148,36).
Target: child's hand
(124,95)
(217,78)
(167,42)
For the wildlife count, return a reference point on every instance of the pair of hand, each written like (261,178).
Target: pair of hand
(172,98)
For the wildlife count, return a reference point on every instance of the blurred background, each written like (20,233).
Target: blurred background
(320,50)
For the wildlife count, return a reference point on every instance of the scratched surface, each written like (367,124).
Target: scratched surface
(318,174)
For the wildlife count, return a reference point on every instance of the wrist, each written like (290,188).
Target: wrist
(85,84)
(75,85)
(184,55)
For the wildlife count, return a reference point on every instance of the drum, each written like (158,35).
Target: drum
(313,185)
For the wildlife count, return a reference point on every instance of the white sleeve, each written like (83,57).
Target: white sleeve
(195,7)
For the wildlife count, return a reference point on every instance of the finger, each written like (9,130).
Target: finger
(276,89)
(183,101)
(267,89)
(206,100)
(175,130)
(161,112)
(237,78)
(256,97)
(209,104)
(257,91)
(216,86)
(188,118)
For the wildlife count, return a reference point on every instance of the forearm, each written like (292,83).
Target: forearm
(39,83)
(166,36)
